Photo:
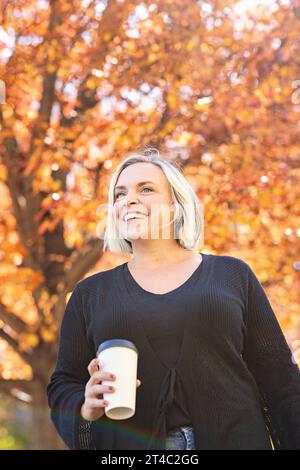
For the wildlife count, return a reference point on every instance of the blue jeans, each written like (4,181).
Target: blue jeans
(181,439)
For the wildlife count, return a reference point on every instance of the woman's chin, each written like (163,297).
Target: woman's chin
(135,234)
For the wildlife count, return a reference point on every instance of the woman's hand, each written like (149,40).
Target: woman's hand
(94,404)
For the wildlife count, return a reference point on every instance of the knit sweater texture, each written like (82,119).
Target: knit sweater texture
(231,367)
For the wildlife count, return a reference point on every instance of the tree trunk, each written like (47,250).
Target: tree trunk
(42,431)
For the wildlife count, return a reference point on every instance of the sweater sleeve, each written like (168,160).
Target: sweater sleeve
(66,388)
(272,364)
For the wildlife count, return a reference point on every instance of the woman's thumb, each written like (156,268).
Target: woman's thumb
(93,366)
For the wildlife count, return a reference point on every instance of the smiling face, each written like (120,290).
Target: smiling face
(143,188)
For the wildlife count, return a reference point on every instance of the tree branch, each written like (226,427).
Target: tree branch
(15,345)
(14,160)
(48,92)
(20,181)
(12,320)
(112,19)
(7,385)
(86,258)
(160,124)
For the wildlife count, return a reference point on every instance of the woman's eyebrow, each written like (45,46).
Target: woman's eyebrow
(138,184)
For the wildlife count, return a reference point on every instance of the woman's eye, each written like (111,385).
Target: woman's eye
(124,193)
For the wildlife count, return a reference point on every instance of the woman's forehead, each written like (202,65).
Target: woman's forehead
(141,172)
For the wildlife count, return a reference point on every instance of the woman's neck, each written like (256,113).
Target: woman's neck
(154,260)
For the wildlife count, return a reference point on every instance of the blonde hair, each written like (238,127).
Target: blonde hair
(188,219)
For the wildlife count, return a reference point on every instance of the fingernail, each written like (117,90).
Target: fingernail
(112,376)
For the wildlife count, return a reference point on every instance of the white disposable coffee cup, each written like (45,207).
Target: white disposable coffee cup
(119,357)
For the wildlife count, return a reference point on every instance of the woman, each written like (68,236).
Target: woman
(214,368)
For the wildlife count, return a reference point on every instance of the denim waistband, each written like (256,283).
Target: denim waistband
(180,430)
(181,438)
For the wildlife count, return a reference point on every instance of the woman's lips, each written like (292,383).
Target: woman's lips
(134,220)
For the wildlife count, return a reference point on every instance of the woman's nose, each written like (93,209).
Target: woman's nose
(131,198)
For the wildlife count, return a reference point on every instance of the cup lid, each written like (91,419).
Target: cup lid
(111,343)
